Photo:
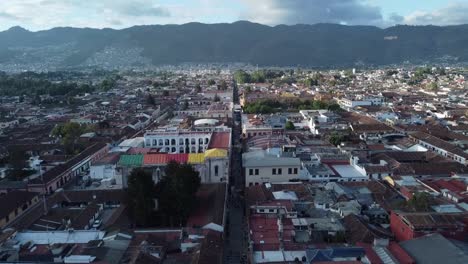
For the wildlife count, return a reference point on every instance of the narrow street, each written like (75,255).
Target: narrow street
(235,249)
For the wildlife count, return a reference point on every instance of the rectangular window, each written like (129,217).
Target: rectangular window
(289,170)
(280,171)
(256,171)
(250,171)
(273,171)
(295,170)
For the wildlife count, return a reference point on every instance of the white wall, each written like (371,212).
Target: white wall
(265,174)
(102,171)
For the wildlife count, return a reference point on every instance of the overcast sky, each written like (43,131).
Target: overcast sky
(45,14)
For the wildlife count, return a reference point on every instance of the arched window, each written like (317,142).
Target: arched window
(200,141)
(193,141)
(166,142)
(193,150)
(160,142)
(207,140)
(187,141)
(173,149)
(173,141)
(181,141)
(181,149)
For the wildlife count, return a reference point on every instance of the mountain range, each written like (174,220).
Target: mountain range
(319,45)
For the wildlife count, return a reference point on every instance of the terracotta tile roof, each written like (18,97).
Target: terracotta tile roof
(12,200)
(180,158)
(431,219)
(111,158)
(211,250)
(357,230)
(220,140)
(55,172)
(155,159)
(439,143)
(258,194)
(209,205)
(400,254)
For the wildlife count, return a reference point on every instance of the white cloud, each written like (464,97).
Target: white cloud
(453,14)
(351,12)
(45,14)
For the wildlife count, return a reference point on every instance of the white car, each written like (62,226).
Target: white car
(97,223)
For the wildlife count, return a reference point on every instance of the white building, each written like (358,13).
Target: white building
(177,141)
(321,119)
(348,103)
(269,167)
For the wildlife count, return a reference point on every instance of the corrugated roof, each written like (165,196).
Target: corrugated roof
(155,159)
(131,160)
(180,158)
(196,158)
(220,140)
(216,153)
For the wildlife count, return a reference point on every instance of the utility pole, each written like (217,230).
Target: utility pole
(45,190)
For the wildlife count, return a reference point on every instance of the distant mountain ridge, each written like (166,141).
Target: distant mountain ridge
(316,45)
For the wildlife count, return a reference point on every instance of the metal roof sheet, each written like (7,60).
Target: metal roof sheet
(196,158)
(216,153)
(155,159)
(131,160)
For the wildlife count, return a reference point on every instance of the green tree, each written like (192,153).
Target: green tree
(176,191)
(336,139)
(198,88)
(17,161)
(289,125)
(242,77)
(334,108)
(258,77)
(319,105)
(433,86)
(108,84)
(69,133)
(310,82)
(216,98)
(211,82)
(140,197)
(223,85)
(420,202)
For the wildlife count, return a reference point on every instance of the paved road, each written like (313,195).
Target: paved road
(235,248)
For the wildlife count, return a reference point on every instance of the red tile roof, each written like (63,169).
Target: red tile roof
(370,253)
(220,140)
(264,233)
(400,254)
(155,159)
(451,185)
(180,158)
(209,205)
(138,151)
